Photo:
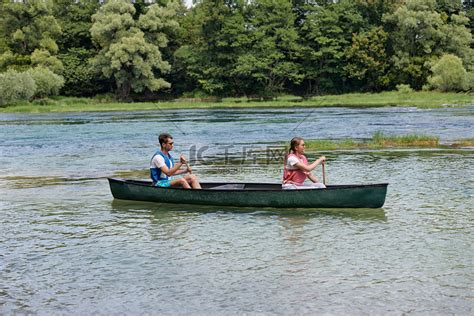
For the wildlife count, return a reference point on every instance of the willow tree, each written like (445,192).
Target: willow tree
(129,48)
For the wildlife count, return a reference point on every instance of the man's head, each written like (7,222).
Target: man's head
(166,141)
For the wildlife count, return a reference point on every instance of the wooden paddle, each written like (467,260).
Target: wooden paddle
(324,172)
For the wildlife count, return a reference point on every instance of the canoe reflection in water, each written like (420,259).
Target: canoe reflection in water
(169,210)
(254,195)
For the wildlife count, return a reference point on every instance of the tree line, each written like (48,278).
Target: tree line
(257,48)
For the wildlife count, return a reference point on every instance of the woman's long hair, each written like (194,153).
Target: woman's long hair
(295,141)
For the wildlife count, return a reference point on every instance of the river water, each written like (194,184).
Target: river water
(67,247)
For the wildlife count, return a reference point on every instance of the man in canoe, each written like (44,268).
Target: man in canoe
(297,169)
(162,167)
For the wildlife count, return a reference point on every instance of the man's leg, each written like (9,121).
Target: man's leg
(180,183)
(193,181)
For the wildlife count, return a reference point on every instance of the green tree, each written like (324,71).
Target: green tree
(421,35)
(30,31)
(126,54)
(449,75)
(271,56)
(215,36)
(367,59)
(374,10)
(326,34)
(80,78)
(183,35)
(75,19)
(457,39)
(468,8)
(76,47)
(449,6)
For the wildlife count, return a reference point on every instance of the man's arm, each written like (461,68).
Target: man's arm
(180,172)
(169,172)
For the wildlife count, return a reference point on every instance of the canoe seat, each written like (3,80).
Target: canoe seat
(233,186)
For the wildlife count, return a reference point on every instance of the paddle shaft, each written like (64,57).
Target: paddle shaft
(324,172)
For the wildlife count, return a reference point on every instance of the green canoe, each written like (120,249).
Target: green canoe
(254,194)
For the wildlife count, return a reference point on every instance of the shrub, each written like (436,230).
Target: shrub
(404,88)
(47,82)
(449,74)
(16,86)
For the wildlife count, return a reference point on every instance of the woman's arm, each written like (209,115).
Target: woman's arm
(312,178)
(310,167)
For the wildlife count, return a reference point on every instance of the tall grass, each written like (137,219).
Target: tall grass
(380,140)
(422,99)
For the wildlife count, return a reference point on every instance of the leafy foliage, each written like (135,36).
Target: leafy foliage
(326,34)
(421,35)
(47,82)
(404,88)
(80,78)
(449,75)
(16,86)
(43,58)
(20,63)
(126,52)
(258,48)
(30,29)
(272,48)
(75,20)
(217,37)
(367,59)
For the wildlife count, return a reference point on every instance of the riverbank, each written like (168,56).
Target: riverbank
(420,99)
(382,141)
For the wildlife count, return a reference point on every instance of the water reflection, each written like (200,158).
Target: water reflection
(165,210)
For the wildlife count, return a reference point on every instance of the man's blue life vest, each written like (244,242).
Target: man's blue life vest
(156,173)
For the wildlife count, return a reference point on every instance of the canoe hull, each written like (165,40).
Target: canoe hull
(254,195)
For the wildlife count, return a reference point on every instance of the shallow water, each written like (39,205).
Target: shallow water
(67,247)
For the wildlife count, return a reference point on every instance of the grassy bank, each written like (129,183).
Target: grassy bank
(420,99)
(380,140)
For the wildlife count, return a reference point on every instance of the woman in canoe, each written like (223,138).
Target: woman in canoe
(297,169)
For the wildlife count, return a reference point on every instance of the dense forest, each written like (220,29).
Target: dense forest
(259,48)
